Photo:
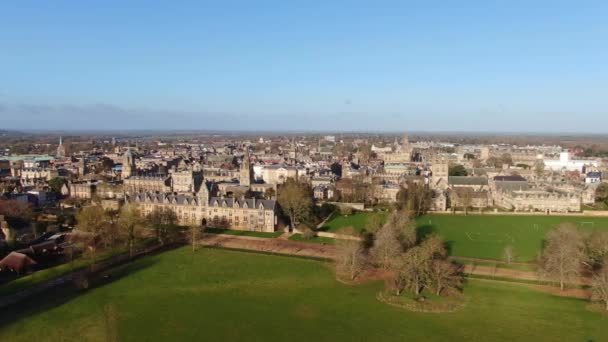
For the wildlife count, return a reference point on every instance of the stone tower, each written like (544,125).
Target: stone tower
(245,174)
(128,164)
(60,149)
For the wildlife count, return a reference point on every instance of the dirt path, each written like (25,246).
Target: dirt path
(280,246)
(493,261)
(573,293)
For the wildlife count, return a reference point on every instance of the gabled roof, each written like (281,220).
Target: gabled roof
(467,180)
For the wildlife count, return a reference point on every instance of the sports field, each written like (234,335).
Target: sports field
(220,295)
(486,236)
(357,220)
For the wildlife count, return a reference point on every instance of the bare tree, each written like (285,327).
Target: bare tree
(596,247)
(414,269)
(563,255)
(295,200)
(129,221)
(407,230)
(350,258)
(387,246)
(599,284)
(443,276)
(161,218)
(509,254)
(94,220)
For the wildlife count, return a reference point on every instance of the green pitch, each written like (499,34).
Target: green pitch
(486,237)
(220,295)
(358,221)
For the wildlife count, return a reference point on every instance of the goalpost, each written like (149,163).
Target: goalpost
(588,224)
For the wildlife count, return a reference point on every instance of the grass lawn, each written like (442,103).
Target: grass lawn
(243,233)
(357,220)
(220,295)
(478,236)
(316,239)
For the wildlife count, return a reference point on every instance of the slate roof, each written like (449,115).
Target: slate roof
(467,180)
(183,199)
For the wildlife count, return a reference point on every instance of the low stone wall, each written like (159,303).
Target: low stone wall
(355,206)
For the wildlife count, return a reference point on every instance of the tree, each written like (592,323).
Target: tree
(129,221)
(506,159)
(414,198)
(94,220)
(599,284)
(56,183)
(269,193)
(387,246)
(374,223)
(350,258)
(539,168)
(306,231)
(443,276)
(596,247)
(601,193)
(563,255)
(414,269)
(295,200)
(457,170)
(508,254)
(17,213)
(161,219)
(407,231)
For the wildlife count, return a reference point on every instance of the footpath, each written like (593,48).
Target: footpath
(287,247)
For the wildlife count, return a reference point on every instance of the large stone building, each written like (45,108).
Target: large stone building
(200,209)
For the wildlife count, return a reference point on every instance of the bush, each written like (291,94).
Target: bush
(306,231)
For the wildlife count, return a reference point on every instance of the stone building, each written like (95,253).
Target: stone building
(147,183)
(199,208)
(128,164)
(246,172)
(541,200)
(60,149)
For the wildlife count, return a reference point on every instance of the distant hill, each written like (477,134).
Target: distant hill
(10,133)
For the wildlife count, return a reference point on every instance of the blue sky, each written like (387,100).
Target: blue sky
(305,65)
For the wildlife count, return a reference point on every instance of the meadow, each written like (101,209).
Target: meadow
(221,295)
(486,236)
(482,236)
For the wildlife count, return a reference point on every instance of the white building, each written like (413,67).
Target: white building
(565,163)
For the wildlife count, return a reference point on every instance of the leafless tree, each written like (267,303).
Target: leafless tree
(387,246)
(295,200)
(350,257)
(442,275)
(596,247)
(414,269)
(599,284)
(129,221)
(563,256)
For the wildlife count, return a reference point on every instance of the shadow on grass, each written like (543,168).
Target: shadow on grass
(64,293)
(424,230)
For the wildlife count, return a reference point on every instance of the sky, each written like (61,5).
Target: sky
(520,66)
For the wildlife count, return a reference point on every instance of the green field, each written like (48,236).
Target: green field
(358,220)
(477,236)
(220,295)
